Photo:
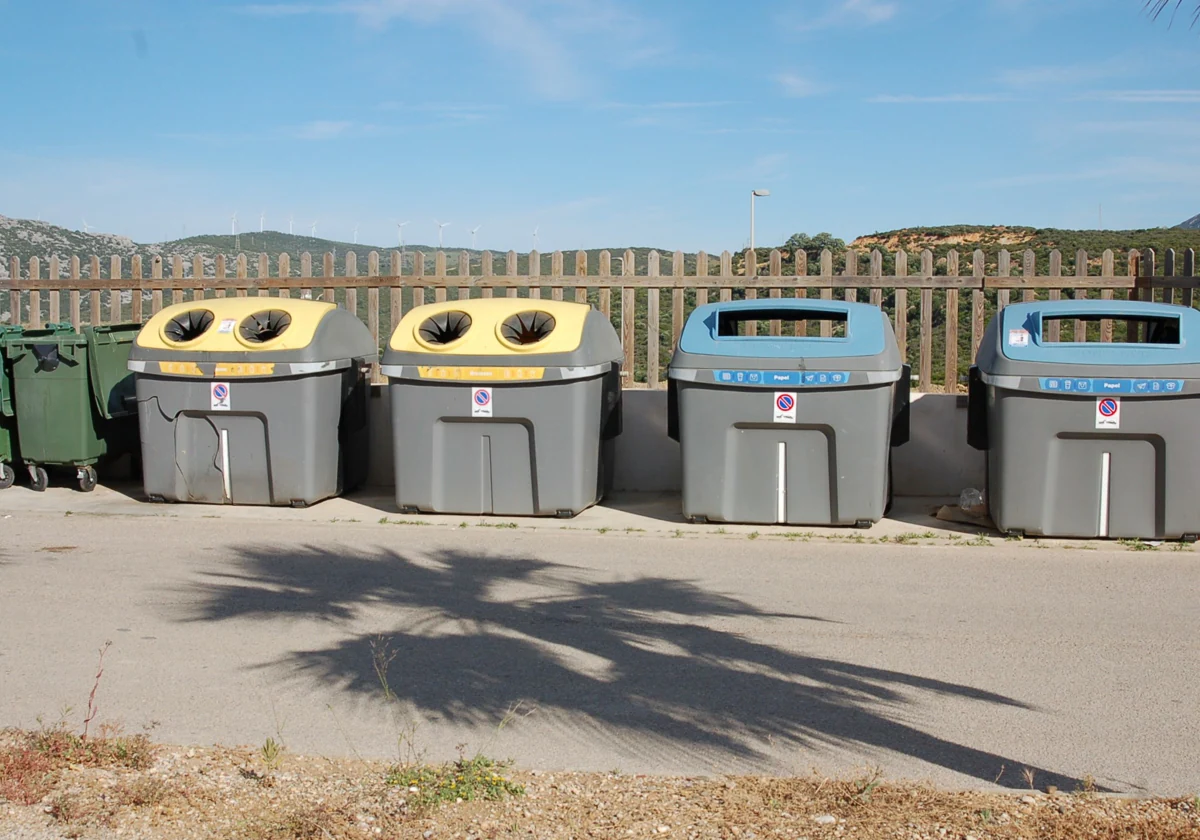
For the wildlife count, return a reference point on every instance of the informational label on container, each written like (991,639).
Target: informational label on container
(785,407)
(227,325)
(1108,413)
(481,402)
(1018,338)
(221,399)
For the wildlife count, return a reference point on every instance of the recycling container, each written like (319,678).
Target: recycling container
(1090,439)
(8,420)
(795,428)
(73,398)
(503,406)
(253,401)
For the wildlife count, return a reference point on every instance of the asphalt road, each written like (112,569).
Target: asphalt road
(692,653)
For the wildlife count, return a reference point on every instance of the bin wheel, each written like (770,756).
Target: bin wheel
(39,479)
(87,478)
(7,476)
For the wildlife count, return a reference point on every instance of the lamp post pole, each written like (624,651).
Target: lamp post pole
(753,195)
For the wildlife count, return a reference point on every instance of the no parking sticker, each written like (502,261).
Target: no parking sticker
(1108,413)
(481,402)
(785,407)
(220,396)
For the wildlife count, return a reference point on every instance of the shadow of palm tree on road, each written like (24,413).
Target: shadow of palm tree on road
(643,659)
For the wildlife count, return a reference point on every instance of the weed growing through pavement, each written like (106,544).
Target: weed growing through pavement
(677,533)
(1028,776)
(603,531)
(911,537)
(978,540)
(635,530)
(1137,545)
(753,535)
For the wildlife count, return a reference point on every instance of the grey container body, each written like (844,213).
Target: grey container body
(1056,466)
(831,464)
(546,450)
(1046,466)
(288,440)
(823,458)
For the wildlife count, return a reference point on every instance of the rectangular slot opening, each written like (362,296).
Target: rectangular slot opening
(1151,329)
(750,323)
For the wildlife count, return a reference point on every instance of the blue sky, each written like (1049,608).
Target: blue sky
(604,123)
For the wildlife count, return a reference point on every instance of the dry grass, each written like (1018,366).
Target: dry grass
(195,793)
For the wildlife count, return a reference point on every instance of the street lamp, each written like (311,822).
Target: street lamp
(753,195)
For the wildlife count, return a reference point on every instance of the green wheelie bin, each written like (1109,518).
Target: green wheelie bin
(8,420)
(75,399)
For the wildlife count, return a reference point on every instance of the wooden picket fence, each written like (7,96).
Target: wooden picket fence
(928,298)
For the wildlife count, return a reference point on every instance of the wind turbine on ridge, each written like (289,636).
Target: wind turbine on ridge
(86,229)
(440,225)
(262,221)
(400,233)
(314,230)
(474,231)
(233,224)
(290,220)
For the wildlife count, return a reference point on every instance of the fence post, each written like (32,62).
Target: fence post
(950,379)
(926,322)
(978,312)
(653,320)
(628,316)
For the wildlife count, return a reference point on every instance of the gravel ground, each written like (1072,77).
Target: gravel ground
(201,793)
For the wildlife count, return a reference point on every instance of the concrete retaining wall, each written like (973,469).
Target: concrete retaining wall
(935,462)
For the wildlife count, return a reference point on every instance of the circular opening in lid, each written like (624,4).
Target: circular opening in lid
(525,328)
(444,327)
(188,326)
(264,326)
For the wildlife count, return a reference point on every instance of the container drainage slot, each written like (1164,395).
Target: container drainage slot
(527,327)
(188,326)
(445,327)
(265,326)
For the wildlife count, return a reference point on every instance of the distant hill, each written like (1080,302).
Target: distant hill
(1191,224)
(24,238)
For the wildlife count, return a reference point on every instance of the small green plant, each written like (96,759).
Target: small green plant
(464,780)
(635,530)
(1010,537)
(383,520)
(805,536)
(985,816)
(978,540)
(1137,545)
(603,530)
(462,524)
(677,533)
(721,531)
(864,787)
(753,535)
(271,753)
(911,537)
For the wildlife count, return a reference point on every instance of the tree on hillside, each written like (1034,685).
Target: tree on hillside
(1157,7)
(813,245)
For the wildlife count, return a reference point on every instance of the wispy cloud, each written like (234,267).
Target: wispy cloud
(942,98)
(1069,75)
(324,129)
(798,87)
(665,106)
(1139,170)
(1142,96)
(535,31)
(850,13)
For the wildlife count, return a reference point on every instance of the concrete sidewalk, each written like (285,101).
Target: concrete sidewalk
(652,513)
